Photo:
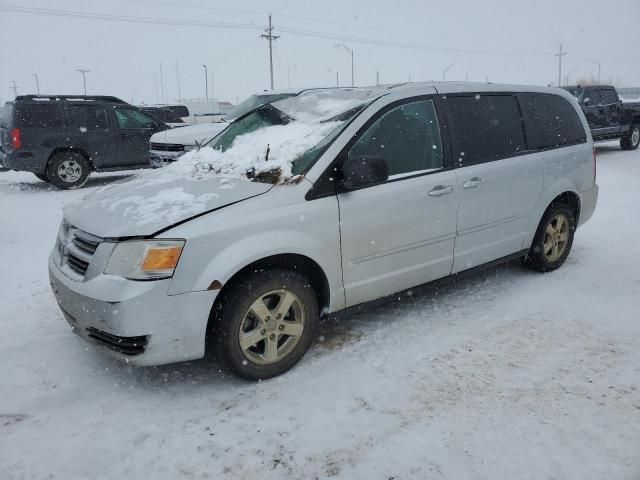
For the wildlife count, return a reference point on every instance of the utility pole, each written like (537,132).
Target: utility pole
(178,80)
(349,50)
(270,37)
(337,79)
(37,83)
(206,82)
(14,88)
(84,78)
(377,77)
(560,54)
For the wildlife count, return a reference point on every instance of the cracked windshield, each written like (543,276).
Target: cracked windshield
(318,240)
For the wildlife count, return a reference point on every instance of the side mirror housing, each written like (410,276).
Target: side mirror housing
(364,171)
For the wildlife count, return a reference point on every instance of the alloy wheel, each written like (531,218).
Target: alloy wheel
(271,327)
(556,237)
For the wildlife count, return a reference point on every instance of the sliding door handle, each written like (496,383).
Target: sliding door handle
(441,190)
(472,183)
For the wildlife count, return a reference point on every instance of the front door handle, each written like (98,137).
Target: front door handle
(441,190)
(472,183)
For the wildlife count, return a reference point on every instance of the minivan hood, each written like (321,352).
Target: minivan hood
(189,135)
(148,203)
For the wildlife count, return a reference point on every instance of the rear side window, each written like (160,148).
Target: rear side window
(609,96)
(38,115)
(484,128)
(88,117)
(550,121)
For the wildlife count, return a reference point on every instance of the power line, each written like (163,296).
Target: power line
(252,26)
(125,18)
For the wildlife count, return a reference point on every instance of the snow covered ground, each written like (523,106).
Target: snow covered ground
(506,375)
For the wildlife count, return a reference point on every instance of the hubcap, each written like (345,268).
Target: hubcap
(271,327)
(635,136)
(556,237)
(70,171)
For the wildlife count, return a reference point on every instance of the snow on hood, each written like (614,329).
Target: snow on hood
(189,135)
(150,202)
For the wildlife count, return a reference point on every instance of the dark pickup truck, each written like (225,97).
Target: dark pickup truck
(609,118)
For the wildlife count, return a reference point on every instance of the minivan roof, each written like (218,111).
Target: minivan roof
(448,88)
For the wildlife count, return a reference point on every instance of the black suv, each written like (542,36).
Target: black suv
(62,138)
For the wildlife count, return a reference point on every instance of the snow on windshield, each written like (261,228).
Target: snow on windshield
(248,153)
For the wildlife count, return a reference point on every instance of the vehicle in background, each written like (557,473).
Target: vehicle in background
(609,118)
(164,115)
(63,138)
(169,145)
(382,184)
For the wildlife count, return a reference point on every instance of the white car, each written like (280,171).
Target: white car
(167,147)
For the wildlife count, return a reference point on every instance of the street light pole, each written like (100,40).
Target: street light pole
(349,50)
(598,64)
(206,83)
(84,78)
(37,83)
(444,72)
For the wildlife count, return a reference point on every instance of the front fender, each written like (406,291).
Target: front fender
(244,235)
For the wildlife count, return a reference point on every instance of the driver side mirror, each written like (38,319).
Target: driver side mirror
(364,171)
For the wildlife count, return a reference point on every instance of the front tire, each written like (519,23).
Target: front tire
(631,140)
(68,170)
(42,176)
(267,323)
(553,240)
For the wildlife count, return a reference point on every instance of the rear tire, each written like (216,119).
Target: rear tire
(68,170)
(631,140)
(265,326)
(553,240)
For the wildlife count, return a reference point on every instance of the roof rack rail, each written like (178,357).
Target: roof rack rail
(104,98)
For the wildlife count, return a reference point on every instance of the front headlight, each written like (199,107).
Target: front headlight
(145,259)
(188,148)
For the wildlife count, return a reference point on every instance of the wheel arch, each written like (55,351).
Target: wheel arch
(294,262)
(566,195)
(80,151)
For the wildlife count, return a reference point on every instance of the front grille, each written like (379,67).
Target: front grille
(125,345)
(76,248)
(167,147)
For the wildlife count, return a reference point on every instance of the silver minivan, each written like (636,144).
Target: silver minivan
(316,203)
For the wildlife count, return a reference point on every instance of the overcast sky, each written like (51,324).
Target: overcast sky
(503,40)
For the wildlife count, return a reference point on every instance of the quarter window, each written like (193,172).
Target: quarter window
(38,115)
(407,137)
(484,128)
(131,119)
(550,121)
